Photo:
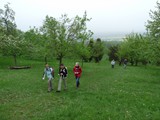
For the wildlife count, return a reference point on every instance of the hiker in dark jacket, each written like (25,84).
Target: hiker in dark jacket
(63,75)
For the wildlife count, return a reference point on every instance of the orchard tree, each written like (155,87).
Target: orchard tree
(153,26)
(80,34)
(145,54)
(7,19)
(129,49)
(153,29)
(14,46)
(12,42)
(37,44)
(135,48)
(82,52)
(91,49)
(113,53)
(56,33)
(64,34)
(98,50)
(6,24)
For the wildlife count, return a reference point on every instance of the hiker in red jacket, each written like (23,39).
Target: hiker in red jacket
(77,72)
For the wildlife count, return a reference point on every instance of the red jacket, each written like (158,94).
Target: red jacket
(77,71)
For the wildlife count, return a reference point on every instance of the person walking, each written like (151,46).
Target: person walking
(49,72)
(125,63)
(77,72)
(113,63)
(63,75)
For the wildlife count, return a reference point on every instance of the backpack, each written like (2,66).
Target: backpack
(52,71)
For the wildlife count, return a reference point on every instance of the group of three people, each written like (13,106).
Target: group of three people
(49,72)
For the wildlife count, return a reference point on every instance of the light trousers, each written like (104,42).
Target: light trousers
(50,85)
(60,82)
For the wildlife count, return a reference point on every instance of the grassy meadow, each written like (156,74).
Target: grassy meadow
(104,93)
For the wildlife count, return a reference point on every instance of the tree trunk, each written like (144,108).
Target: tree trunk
(82,62)
(60,59)
(45,59)
(15,60)
(132,62)
(136,62)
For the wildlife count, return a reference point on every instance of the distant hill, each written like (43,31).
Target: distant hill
(110,36)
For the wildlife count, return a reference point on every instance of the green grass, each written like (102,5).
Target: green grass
(104,94)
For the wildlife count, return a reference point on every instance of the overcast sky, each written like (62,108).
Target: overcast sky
(107,15)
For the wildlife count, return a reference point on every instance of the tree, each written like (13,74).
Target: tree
(113,53)
(37,44)
(80,34)
(11,39)
(145,52)
(56,33)
(91,49)
(6,24)
(132,48)
(98,50)
(153,29)
(153,26)
(14,46)
(7,18)
(82,52)
(65,34)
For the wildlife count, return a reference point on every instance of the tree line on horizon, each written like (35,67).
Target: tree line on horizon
(69,37)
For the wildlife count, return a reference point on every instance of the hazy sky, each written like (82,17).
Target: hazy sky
(107,15)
